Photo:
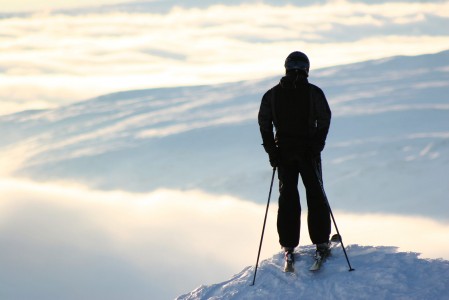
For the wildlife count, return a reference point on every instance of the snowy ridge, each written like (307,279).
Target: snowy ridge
(381,273)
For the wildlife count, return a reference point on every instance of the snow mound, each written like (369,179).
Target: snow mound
(380,273)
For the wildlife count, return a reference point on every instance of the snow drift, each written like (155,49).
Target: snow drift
(381,273)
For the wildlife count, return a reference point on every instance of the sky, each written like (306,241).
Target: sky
(38,5)
(59,52)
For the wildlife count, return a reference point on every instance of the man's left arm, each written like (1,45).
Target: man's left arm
(323,119)
(265,119)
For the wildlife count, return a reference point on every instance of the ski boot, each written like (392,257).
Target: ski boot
(323,250)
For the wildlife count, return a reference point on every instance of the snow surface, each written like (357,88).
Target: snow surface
(380,273)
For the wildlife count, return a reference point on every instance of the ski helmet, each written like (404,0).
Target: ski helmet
(297,61)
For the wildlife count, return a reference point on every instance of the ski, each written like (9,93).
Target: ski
(316,266)
(335,238)
(289,261)
(288,267)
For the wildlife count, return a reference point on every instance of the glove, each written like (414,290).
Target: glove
(274,157)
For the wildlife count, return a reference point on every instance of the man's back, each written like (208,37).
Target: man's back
(292,110)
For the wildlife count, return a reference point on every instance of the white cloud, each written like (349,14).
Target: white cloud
(169,240)
(61,239)
(74,57)
(43,6)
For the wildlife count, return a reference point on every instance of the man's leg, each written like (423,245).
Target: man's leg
(289,212)
(318,218)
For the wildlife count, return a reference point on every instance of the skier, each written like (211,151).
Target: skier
(301,116)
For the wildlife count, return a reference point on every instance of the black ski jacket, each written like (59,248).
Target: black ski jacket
(300,114)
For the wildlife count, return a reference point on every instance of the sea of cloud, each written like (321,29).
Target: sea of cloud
(64,240)
(49,59)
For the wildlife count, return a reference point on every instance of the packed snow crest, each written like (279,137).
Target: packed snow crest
(380,273)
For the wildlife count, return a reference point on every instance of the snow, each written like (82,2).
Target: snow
(380,273)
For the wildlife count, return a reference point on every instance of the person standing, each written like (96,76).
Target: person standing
(301,116)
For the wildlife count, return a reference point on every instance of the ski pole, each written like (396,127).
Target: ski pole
(320,179)
(263,228)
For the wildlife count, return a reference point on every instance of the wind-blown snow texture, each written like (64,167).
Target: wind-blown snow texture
(381,273)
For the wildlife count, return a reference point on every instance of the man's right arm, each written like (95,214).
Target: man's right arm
(266,122)
(323,118)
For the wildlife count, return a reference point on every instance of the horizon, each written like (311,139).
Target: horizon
(58,55)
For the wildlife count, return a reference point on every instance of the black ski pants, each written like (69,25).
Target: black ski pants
(289,211)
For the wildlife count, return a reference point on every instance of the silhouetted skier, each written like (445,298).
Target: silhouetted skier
(301,117)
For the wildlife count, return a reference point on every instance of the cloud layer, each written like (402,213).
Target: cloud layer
(51,59)
(62,240)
